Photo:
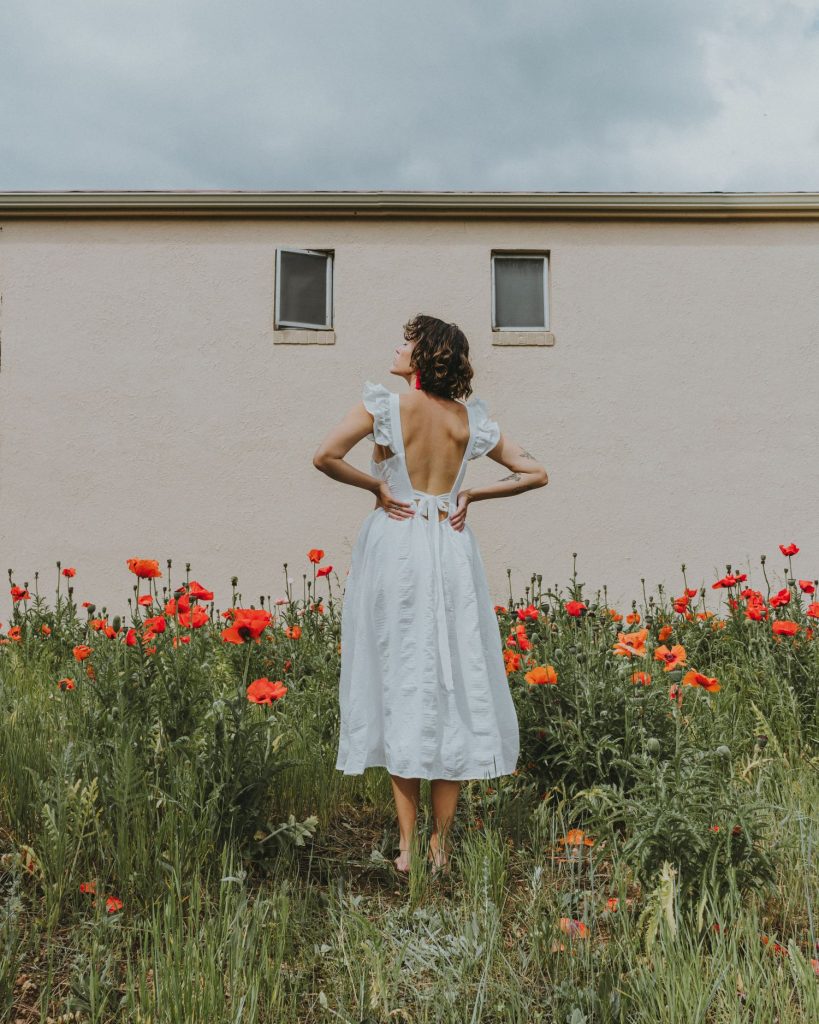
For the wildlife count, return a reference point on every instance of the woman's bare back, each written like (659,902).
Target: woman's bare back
(435,432)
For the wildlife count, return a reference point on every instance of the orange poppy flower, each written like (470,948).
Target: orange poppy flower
(248,624)
(785,627)
(632,645)
(574,928)
(196,592)
(708,683)
(513,661)
(670,656)
(576,837)
(145,568)
(541,674)
(756,611)
(194,619)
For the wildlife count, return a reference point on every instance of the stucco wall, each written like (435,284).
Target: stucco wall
(145,411)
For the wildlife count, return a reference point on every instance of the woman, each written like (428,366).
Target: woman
(423,688)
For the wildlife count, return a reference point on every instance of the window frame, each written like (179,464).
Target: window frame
(545,257)
(329,255)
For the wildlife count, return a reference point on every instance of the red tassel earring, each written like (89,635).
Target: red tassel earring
(418,381)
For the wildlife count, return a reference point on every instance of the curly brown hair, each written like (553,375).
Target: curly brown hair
(440,355)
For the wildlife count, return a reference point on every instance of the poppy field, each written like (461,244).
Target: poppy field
(176,844)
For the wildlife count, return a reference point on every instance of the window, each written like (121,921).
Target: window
(520,292)
(304,289)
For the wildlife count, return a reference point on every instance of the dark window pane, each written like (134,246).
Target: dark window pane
(519,292)
(303,290)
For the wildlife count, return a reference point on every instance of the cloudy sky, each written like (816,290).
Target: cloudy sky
(563,95)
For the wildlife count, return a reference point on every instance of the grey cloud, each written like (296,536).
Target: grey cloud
(324,95)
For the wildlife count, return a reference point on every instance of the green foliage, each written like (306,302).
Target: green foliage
(158,780)
(591,727)
(163,727)
(693,812)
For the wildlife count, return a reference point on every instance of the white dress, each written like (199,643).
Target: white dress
(423,690)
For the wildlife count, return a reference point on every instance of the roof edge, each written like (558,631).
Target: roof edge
(363,203)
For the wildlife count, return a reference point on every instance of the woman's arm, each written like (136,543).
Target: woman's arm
(526,475)
(329,456)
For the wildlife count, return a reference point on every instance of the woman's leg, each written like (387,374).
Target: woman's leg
(407,793)
(444,797)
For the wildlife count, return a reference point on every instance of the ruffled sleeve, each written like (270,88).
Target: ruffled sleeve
(376,399)
(485,431)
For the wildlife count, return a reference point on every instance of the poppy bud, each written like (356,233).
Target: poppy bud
(723,751)
(761,740)
(653,746)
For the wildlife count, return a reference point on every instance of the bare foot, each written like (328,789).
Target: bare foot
(402,861)
(438,857)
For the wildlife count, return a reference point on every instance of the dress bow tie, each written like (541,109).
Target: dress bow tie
(430,504)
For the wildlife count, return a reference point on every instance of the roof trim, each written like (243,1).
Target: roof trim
(364,203)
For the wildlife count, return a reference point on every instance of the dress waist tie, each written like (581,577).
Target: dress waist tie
(428,507)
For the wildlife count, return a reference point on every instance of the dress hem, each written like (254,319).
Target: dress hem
(470,777)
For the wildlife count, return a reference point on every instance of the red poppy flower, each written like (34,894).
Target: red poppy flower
(265,691)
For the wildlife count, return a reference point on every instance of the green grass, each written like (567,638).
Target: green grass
(257,882)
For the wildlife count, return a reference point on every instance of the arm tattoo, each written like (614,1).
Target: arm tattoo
(523,454)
